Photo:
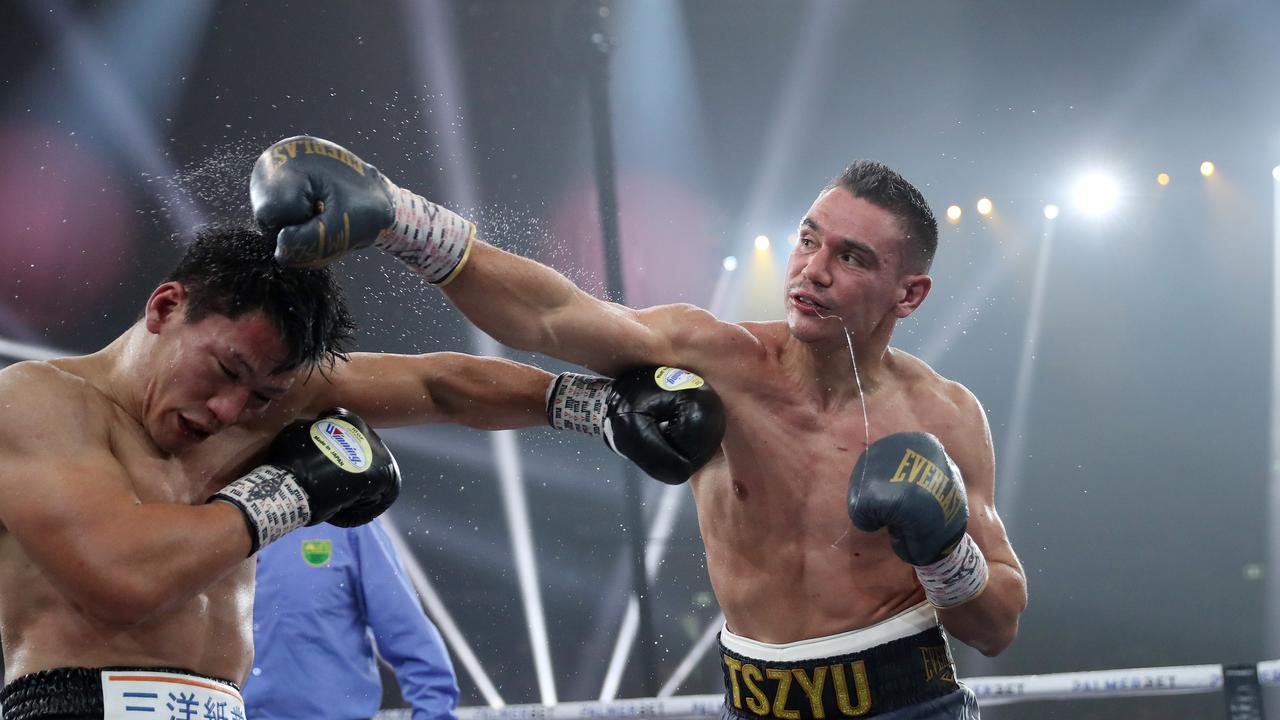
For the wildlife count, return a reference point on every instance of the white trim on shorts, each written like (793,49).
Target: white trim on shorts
(905,624)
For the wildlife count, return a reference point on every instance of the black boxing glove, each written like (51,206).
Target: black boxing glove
(320,201)
(907,483)
(666,420)
(333,469)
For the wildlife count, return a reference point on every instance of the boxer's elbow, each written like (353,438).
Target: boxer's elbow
(988,624)
(993,643)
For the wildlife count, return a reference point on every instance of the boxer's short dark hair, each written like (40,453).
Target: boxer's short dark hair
(231,271)
(883,187)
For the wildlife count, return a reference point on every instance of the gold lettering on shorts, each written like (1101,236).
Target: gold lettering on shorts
(813,688)
(937,663)
(734,666)
(861,688)
(758,703)
(780,710)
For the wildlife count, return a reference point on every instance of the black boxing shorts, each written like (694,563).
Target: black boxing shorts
(901,667)
(119,694)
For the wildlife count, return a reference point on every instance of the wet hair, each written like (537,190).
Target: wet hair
(231,271)
(881,186)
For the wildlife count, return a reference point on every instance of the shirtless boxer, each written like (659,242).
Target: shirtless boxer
(823,619)
(136,482)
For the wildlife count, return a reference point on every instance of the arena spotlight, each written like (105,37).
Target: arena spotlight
(730,264)
(762,242)
(1096,194)
(1275,172)
(1207,168)
(1051,211)
(953,214)
(1163,178)
(984,206)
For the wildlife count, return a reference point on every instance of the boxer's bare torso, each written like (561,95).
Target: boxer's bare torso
(41,627)
(784,560)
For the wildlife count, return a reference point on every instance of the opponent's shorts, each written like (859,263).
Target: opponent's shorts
(119,694)
(898,669)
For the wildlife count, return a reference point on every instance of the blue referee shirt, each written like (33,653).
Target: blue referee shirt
(325,595)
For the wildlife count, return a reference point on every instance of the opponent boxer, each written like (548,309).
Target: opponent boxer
(136,482)
(822,619)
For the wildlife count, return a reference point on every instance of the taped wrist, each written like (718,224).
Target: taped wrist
(577,402)
(957,578)
(433,241)
(272,503)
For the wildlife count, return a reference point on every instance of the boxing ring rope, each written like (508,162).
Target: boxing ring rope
(996,690)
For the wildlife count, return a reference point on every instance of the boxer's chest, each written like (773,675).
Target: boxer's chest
(189,478)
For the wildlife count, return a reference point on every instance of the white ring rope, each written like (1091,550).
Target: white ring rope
(1134,682)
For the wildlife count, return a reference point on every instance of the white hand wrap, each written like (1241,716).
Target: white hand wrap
(272,502)
(957,578)
(432,241)
(576,402)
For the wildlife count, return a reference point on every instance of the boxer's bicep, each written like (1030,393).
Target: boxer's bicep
(972,449)
(677,335)
(61,488)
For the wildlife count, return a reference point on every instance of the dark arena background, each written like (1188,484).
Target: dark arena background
(1105,178)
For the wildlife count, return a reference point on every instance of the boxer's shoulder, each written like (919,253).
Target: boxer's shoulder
(41,396)
(922,384)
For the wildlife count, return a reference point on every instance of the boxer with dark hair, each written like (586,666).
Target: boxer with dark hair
(834,572)
(137,482)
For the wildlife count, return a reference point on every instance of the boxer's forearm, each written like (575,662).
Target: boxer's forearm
(526,305)
(989,622)
(153,557)
(391,390)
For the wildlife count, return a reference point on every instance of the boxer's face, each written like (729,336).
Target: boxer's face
(212,374)
(847,264)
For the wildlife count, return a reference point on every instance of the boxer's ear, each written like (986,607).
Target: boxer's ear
(913,290)
(167,304)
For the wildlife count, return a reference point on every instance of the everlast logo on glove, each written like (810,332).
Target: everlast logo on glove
(282,153)
(916,468)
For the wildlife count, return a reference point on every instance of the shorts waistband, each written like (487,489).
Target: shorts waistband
(905,624)
(899,673)
(72,692)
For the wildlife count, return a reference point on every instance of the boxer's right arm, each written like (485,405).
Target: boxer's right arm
(321,201)
(529,306)
(71,505)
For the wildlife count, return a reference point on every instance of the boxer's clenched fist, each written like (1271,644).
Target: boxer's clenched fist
(320,201)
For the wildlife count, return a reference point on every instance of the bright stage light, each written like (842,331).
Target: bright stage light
(1097,194)
(762,242)
(1275,172)
(730,263)
(953,214)
(1163,178)
(1051,211)
(984,206)
(1206,168)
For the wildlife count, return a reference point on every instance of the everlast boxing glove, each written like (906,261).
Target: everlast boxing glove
(333,469)
(907,483)
(666,420)
(319,201)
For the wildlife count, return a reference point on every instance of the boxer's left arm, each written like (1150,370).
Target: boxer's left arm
(387,390)
(989,622)
(670,427)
